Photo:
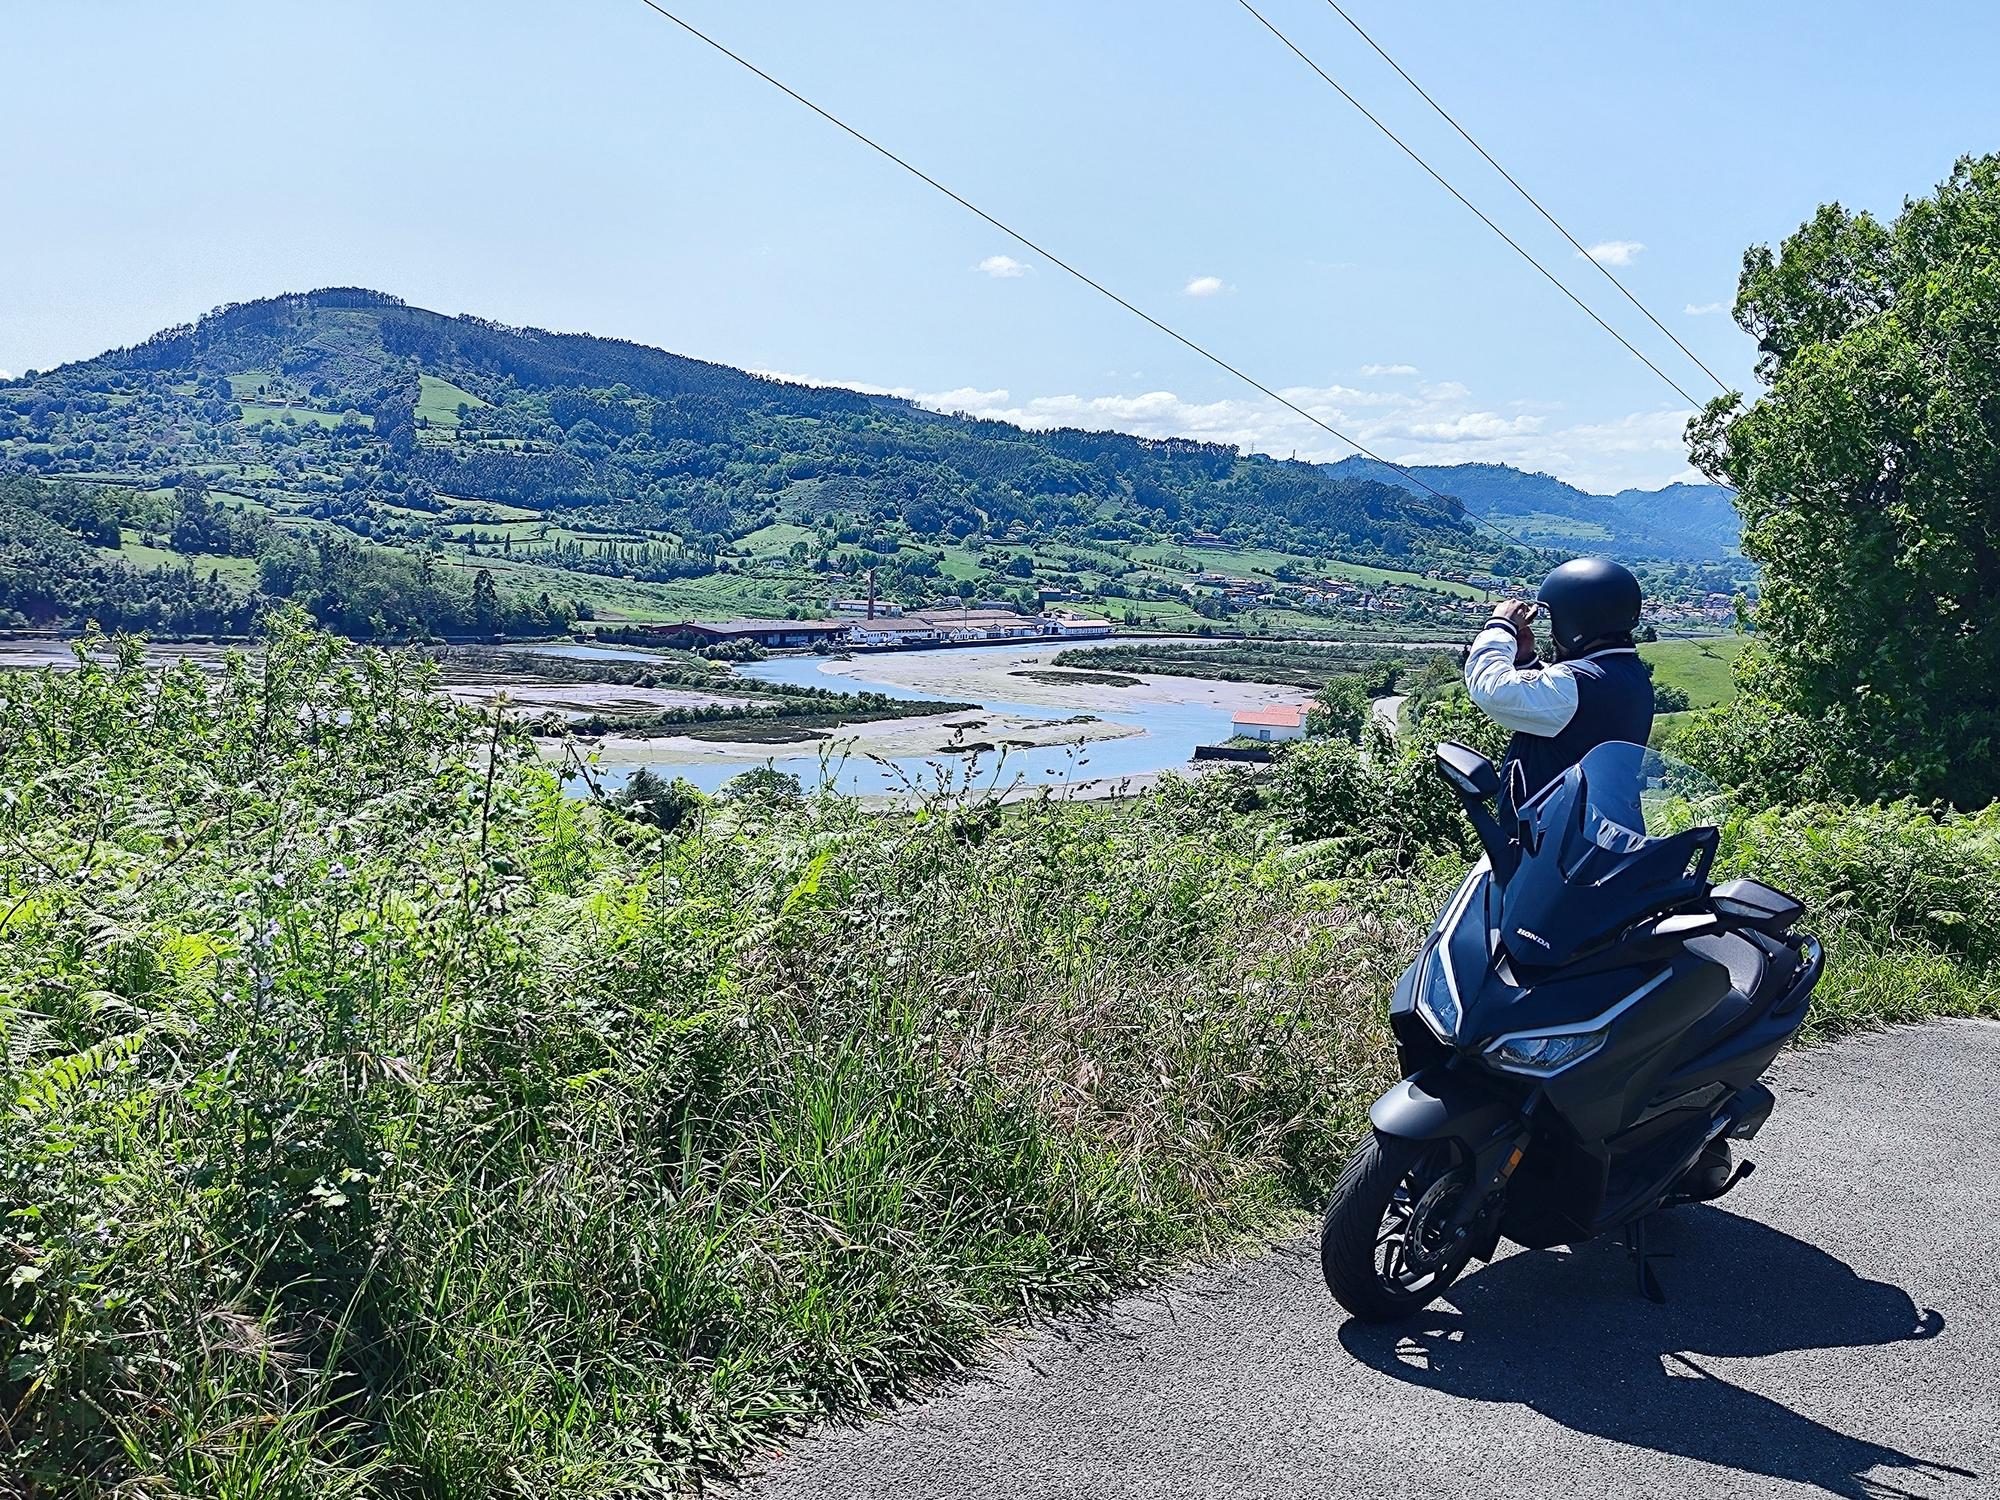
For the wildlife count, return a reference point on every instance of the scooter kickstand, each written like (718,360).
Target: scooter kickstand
(1635,1246)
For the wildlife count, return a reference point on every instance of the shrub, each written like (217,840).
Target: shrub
(385,1117)
(1893,876)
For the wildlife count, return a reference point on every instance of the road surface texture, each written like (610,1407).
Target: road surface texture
(1389,711)
(1833,1327)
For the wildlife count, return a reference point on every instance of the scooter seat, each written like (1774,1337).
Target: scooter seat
(1756,968)
(1747,962)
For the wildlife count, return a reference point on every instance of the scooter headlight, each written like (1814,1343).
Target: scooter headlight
(1435,999)
(1543,1055)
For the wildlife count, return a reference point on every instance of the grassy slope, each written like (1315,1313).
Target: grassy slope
(255,412)
(438,401)
(587,1156)
(1701,666)
(1254,562)
(241,571)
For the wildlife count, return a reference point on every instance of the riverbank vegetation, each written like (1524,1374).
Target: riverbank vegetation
(757,708)
(1304,664)
(385,1121)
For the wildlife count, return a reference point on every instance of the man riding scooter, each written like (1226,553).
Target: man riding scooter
(1594,688)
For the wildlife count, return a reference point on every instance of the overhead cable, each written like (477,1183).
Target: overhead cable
(1535,202)
(1478,212)
(1459,508)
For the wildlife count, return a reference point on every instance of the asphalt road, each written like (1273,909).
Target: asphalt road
(1834,1329)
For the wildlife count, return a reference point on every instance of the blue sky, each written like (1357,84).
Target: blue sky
(584,166)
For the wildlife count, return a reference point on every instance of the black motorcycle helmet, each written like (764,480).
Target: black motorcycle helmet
(1590,599)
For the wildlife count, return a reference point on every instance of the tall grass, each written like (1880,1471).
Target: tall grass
(384,1120)
(380,1120)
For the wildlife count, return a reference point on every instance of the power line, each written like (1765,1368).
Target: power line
(1469,204)
(1459,508)
(1444,115)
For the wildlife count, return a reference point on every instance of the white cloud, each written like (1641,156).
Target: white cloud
(1437,422)
(1203,286)
(1615,252)
(1388,369)
(4,375)
(1472,425)
(1440,425)
(968,399)
(1702,309)
(1003,266)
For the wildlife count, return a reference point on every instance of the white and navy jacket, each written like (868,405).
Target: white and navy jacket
(1560,712)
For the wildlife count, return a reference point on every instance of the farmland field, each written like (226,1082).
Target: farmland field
(1700,666)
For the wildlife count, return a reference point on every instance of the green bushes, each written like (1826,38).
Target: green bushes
(380,1120)
(1907,902)
(1896,875)
(1381,808)
(384,1121)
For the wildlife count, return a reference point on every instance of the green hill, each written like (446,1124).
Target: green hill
(628,481)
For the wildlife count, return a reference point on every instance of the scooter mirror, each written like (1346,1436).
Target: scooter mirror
(1466,771)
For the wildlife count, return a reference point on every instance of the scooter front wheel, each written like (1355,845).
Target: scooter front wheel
(1386,1248)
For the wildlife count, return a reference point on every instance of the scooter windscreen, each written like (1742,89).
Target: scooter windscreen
(1589,868)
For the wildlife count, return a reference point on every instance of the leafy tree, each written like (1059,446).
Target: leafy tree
(765,784)
(1341,711)
(485,604)
(654,799)
(1868,475)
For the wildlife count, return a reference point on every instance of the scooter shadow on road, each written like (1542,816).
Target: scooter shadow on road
(1567,1336)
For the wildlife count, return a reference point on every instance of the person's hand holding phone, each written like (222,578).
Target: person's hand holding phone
(1520,614)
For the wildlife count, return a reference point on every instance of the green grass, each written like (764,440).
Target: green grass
(1262,563)
(438,401)
(774,540)
(241,571)
(1700,666)
(384,1121)
(491,512)
(1364,573)
(1547,524)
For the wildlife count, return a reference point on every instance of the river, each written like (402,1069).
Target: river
(1158,724)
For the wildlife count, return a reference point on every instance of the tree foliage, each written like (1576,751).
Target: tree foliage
(1868,474)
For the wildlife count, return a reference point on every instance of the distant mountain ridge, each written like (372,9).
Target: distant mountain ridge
(1680,522)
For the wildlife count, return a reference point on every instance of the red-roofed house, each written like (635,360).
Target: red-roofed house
(1281,721)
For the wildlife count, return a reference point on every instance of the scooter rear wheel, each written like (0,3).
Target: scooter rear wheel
(1382,1248)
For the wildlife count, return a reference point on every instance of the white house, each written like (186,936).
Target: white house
(1281,721)
(1071,626)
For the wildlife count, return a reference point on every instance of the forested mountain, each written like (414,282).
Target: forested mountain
(407,473)
(638,436)
(1682,522)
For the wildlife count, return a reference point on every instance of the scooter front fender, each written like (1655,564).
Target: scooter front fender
(1442,1103)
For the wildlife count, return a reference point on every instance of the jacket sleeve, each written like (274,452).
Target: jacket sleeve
(1539,701)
